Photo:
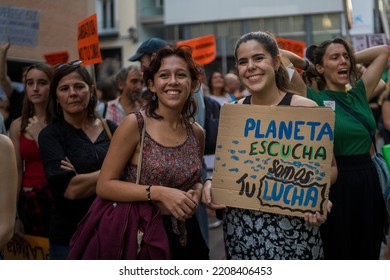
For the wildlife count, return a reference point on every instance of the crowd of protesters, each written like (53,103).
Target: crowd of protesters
(61,159)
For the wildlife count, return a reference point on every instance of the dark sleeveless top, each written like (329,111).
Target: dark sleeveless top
(285,101)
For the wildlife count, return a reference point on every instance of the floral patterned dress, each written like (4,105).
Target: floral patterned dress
(258,235)
(265,236)
(176,167)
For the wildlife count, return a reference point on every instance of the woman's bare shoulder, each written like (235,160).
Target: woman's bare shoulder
(6,145)
(302,101)
(198,129)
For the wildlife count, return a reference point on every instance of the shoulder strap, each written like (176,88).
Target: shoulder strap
(247,100)
(139,165)
(105,109)
(107,129)
(371,132)
(286,99)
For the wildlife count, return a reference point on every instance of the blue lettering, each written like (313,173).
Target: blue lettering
(297,197)
(271,129)
(325,130)
(257,132)
(311,196)
(297,130)
(313,129)
(277,196)
(266,196)
(249,125)
(285,130)
(286,193)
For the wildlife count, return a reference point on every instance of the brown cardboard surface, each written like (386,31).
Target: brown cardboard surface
(32,248)
(274,158)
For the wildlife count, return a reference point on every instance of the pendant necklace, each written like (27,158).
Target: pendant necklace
(175,129)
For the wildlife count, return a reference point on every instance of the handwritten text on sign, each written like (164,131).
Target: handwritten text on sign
(274,158)
(19,25)
(204,49)
(32,248)
(88,41)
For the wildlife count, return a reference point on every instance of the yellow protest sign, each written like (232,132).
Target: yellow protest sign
(34,248)
(88,41)
(274,158)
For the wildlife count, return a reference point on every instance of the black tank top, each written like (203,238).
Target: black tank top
(285,101)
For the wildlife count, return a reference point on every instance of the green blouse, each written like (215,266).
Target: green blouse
(350,136)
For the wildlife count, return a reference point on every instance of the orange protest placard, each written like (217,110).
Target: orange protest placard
(88,41)
(56,58)
(204,48)
(296,47)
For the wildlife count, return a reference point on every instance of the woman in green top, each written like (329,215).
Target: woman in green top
(354,228)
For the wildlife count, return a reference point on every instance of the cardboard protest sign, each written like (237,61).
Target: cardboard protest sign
(35,248)
(274,158)
(56,58)
(88,41)
(294,46)
(204,49)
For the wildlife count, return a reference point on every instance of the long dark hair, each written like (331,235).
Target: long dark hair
(28,109)
(210,82)
(318,58)
(62,71)
(269,43)
(185,53)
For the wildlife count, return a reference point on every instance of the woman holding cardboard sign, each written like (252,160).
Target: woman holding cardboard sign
(354,229)
(253,234)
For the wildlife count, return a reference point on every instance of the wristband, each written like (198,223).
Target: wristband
(208,179)
(148,193)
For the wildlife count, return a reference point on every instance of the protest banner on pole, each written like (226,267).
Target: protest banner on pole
(88,41)
(204,49)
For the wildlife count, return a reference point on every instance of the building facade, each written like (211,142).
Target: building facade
(57,31)
(124,24)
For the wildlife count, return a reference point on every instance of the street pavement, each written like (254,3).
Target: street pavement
(216,243)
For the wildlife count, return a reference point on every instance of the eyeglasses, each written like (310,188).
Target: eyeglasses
(72,63)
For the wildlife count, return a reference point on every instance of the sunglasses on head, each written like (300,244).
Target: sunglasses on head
(72,63)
